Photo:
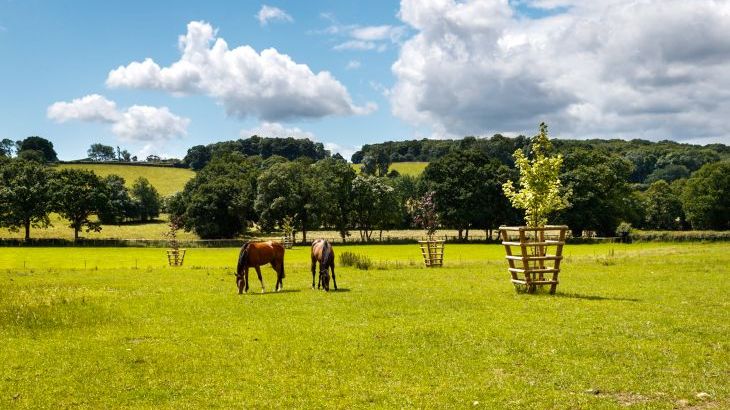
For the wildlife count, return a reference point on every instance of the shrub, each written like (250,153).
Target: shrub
(361,262)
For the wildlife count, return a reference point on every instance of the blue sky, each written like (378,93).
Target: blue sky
(435,68)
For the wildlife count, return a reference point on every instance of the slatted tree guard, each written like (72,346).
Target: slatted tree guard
(534,255)
(287,225)
(175,255)
(433,252)
(534,252)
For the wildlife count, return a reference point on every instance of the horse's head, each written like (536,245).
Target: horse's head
(324,276)
(239,282)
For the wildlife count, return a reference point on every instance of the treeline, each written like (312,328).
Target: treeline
(31,190)
(234,193)
(290,148)
(651,161)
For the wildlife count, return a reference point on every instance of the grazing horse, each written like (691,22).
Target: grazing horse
(322,252)
(255,254)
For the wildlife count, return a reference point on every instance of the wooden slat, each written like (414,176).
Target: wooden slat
(547,242)
(534,258)
(534,270)
(535,282)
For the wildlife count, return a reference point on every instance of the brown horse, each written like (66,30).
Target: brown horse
(322,252)
(255,254)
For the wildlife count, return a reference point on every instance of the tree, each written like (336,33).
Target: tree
(336,177)
(32,155)
(147,199)
(7,148)
(119,205)
(79,194)
(153,158)
(197,157)
(374,205)
(36,143)
(25,195)
(466,188)
(540,188)
(669,173)
(101,152)
(218,201)
(600,196)
(288,189)
(125,156)
(705,198)
(663,207)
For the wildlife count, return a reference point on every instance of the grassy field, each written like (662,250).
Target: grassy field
(166,180)
(404,168)
(643,324)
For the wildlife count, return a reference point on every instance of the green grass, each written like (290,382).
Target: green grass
(642,324)
(404,168)
(166,180)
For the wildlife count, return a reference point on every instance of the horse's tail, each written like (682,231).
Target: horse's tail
(242,258)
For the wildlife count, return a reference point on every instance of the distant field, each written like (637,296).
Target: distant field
(404,168)
(166,180)
(639,326)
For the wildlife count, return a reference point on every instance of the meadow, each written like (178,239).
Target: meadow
(404,168)
(167,180)
(641,325)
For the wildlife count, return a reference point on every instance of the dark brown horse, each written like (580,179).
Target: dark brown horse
(322,252)
(255,254)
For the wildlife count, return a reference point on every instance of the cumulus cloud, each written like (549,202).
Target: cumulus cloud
(137,123)
(92,107)
(650,69)
(269,13)
(276,130)
(266,85)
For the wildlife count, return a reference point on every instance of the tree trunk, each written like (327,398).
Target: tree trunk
(461,234)
(76,234)
(466,238)
(27,230)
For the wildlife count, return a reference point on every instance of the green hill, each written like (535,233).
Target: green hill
(167,180)
(404,168)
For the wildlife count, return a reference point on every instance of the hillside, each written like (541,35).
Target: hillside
(166,180)
(403,168)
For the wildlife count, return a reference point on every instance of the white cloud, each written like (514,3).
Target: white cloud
(356,37)
(359,45)
(377,33)
(276,130)
(137,123)
(266,85)
(92,107)
(649,69)
(269,13)
(353,65)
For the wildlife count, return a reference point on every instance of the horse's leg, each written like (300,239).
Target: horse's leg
(314,266)
(279,283)
(334,280)
(261,278)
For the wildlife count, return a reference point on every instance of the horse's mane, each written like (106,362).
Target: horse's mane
(326,252)
(242,258)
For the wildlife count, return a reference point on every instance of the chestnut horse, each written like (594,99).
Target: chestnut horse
(322,252)
(255,254)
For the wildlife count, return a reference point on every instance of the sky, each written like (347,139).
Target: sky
(160,77)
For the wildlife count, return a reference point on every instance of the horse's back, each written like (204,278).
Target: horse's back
(321,249)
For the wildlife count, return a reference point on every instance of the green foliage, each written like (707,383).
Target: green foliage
(374,205)
(288,189)
(78,195)
(101,152)
(424,213)
(120,205)
(663,207)
(706,197)
(289,148)
(42,145)
(147,199)
(335,202)
(467,190)
(25,195)
(218,202)
(539,191)
(600,196)
(356,260)
(7,148)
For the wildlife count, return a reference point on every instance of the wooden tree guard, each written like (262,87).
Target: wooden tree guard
(533,258)
(433,252)
(175,257)
(287,241)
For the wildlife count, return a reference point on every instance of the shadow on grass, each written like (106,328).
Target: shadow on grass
(587,297)
(271,292)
